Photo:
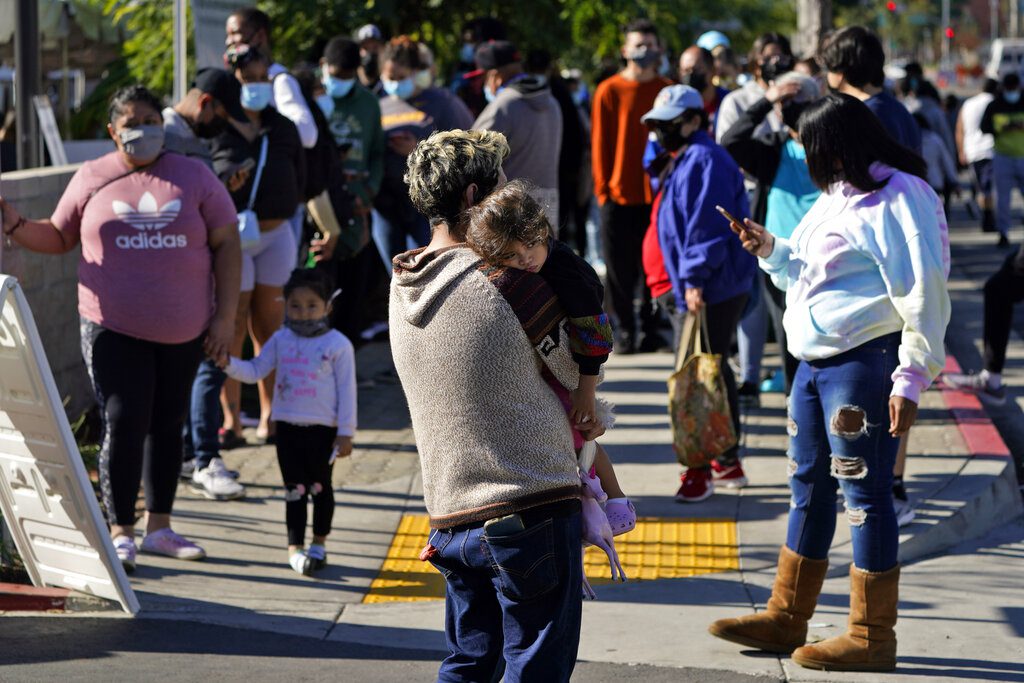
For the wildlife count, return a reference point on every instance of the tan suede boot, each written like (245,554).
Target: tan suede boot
(783,626)
(869,643)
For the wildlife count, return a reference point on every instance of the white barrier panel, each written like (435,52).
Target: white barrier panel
(47,499)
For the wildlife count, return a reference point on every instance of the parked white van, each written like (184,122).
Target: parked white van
(1007,56)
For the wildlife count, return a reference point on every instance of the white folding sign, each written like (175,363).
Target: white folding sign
(47,500)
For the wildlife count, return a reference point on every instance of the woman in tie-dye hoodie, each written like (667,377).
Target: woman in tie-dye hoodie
(866,312)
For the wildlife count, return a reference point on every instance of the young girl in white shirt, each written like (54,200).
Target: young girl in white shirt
(314,407)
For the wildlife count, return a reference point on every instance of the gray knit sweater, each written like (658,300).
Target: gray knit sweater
(470,344)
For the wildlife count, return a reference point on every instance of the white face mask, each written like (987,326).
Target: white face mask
(423,79)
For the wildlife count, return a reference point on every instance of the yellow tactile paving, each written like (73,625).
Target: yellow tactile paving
(403,577)
(659,548)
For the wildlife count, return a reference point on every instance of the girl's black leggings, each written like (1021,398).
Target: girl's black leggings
(142,388)
(303,454)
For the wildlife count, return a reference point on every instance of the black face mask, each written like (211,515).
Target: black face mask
(308,328)
(791,112)
(370,64)
(211,129)
(696,80)
(670,136)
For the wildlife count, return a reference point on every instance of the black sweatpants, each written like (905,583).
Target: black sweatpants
(352,276)
(723,317)
(304,454)
(622,239)
(142,388)
(1002,291)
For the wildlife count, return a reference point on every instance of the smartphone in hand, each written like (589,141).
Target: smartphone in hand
(728,216)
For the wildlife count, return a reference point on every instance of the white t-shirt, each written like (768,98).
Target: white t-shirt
(288,100)
(977,145)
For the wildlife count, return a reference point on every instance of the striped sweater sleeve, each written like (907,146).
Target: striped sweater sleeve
(541,317)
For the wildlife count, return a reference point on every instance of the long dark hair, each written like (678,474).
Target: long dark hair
(840,128)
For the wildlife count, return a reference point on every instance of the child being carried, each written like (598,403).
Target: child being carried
(509,229)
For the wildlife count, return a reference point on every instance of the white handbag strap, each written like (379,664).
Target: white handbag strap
(259,174)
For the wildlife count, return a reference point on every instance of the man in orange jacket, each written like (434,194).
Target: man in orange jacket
(621,188)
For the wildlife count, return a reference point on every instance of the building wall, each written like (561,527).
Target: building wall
(50,283)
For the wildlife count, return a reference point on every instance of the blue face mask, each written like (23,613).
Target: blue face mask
(338,87)
(1012,96)
(256,96)
(326,104)
(467,53)
(402,89)
(489,94)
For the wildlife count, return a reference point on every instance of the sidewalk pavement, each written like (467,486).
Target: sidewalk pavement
(958,596)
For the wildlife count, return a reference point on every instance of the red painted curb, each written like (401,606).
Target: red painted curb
(16,597)
(980,435)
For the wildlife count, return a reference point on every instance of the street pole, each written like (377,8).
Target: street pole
(1014,18)
(180,49)
(26,81)
(993,19)
(945,35)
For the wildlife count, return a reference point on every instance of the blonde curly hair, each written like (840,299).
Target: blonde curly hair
(441,168)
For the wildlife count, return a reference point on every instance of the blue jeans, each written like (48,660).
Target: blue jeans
(513,598)
(205,415)
(1008,173)
(751,334)
(839,438)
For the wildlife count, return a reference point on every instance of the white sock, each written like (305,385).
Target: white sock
(994,380)
(623,499)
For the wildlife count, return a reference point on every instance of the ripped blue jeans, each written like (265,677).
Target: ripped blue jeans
(838,425)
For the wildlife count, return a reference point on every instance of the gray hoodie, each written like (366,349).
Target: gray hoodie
(531,120)
(470,343)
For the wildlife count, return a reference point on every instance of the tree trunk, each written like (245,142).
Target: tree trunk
(813,20)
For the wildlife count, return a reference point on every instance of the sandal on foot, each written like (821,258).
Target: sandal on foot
(621,515)
(228,439)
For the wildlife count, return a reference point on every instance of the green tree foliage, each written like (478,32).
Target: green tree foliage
(149,49)
(581,33)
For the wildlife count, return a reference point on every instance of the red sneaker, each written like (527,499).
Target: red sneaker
(696,486)
(731,477)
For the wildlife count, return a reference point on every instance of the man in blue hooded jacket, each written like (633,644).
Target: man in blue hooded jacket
(708,268)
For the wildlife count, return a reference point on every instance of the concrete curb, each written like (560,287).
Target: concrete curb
(982,496)
(16,597)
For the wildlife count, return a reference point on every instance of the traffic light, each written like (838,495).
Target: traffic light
(950,33)
(891,6)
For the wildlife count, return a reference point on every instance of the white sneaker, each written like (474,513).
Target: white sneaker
(216,483)
(979,384)
(166,542)
(125,549)
(301,562)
